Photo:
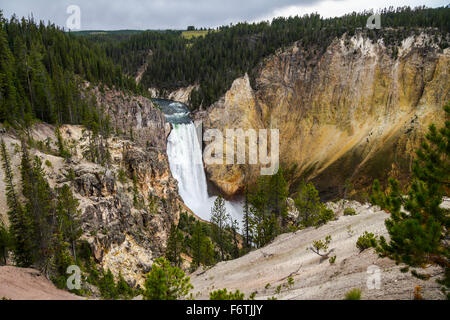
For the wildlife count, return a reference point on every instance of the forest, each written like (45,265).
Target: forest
(228,52)
(42,70)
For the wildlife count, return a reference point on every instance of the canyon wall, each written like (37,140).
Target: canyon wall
(128,205)
(354,112)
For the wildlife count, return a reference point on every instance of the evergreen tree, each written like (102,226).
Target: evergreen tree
(39,208)
(107,286)
(123,289)
(165,282)
(5,242)
(234,227)
(418,226)
(68,217)
(175,246)
(265,224)
(20,223)
(8,90)
(246,221)
(312,212)
(219,220)
(62,151)
(278,193)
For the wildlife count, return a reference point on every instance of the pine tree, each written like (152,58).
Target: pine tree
(263,223)
(278,193)
(418,226)
(5,242)
(312,212)
(197,244)
(62,151)
(234,227)
(68,217)
(174,246)
(219,220)
(107,286)
(246,221)
(165,282)
(20,224)
(39,208)
(8,90)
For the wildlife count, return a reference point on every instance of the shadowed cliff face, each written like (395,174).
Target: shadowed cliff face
(355,112)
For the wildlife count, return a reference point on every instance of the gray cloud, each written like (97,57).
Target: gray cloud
(151,14)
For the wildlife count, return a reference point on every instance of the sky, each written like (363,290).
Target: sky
(178,14)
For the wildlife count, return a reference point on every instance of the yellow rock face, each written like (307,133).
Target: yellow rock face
(353,112)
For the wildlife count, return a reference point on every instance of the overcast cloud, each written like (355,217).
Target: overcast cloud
(178,14)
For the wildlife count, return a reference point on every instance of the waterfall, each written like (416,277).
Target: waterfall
(185,160)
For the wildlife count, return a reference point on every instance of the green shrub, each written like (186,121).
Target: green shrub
(48,163)
(122,176)
(354,294)
(290,282)
(107,286)
(278,289)
(224,295)
(123,288)
(366,241)
(321,245)
(332,260)
(349,212)
(252,295)
(165,282)
(312,212)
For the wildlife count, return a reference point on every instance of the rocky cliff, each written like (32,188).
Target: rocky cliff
(355,112)
(128,205)
(181,95)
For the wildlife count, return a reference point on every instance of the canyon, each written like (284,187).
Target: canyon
(354,113)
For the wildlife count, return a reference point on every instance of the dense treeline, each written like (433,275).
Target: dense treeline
(215,60)
(136,50)
(41,74)
(45,223)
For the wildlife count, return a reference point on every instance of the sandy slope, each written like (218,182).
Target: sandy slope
(288,255)
(29,284)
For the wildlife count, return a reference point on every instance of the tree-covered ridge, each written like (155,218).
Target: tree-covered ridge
(220,57)
(42,69)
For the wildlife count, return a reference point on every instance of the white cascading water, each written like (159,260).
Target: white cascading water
(185,160)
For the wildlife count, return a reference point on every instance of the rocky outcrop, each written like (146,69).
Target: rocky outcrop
(354,112)
(136,117)
(237,109)
(127,205)
(181,94)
